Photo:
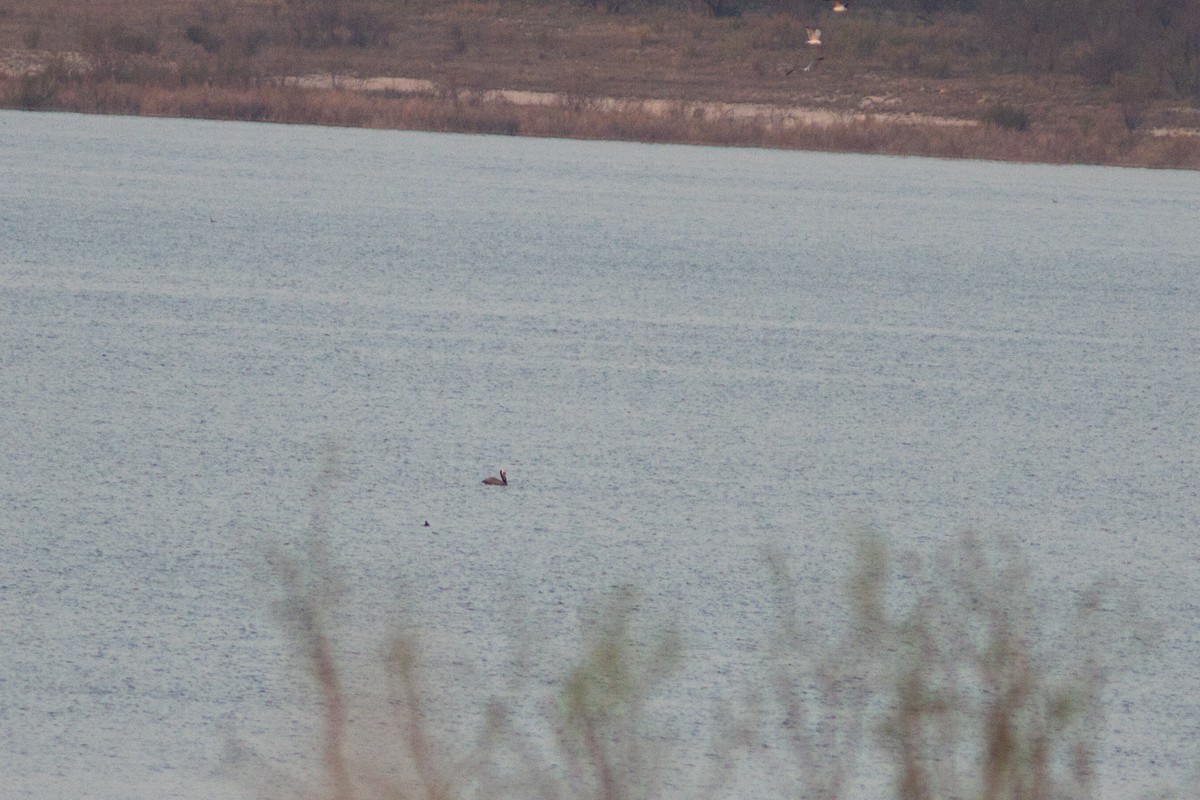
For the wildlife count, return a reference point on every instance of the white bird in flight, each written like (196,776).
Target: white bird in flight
(814,36)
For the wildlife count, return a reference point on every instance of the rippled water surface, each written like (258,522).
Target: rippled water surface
(683,357)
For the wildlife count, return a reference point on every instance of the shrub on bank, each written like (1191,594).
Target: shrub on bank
(1005,116)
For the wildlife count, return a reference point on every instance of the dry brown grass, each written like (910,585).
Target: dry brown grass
(942,670)
(218,58)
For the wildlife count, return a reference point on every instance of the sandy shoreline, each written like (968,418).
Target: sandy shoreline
(768,116)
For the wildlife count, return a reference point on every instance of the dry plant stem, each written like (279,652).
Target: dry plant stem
(310,590)
(303,614)
(604,699)
(598,756)
(407,700)
(592,697)
(981,686)
(335,718)
(825,734)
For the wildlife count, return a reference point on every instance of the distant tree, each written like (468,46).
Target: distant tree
(932,7)
(1178,56)
(1036,34)
(1153,43)
(325,23)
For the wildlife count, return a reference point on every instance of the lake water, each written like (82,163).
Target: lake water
(683,357)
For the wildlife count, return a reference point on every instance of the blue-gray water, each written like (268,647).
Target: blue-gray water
(683,357)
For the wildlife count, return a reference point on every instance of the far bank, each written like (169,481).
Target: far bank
(879,82)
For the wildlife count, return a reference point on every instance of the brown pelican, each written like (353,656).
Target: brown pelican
(501,481)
